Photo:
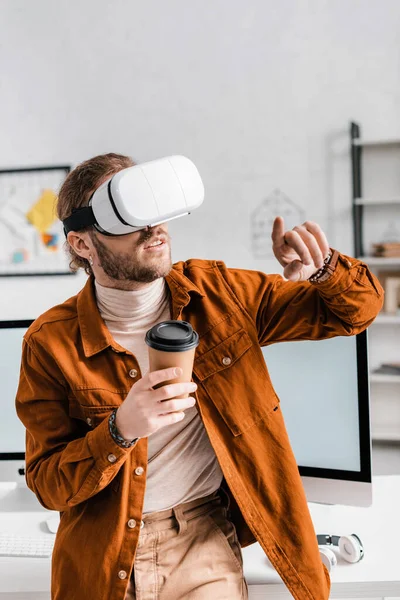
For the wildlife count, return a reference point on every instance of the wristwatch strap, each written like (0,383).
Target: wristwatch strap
(326,271)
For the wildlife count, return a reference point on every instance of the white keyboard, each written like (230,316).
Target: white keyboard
(17,544)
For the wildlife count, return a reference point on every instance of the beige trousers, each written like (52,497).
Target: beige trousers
(190,552)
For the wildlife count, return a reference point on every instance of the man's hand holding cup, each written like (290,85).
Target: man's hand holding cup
(146,409)
(162,395)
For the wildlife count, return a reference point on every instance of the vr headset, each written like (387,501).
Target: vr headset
(141,196)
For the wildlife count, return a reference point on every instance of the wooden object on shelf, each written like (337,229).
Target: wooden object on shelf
(392,295)
(390,307)
(387,249)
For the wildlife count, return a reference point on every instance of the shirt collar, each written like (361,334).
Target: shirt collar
(95,334)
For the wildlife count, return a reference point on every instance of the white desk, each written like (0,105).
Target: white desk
(376,576)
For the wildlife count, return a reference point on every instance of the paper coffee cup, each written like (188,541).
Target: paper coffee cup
(172,344)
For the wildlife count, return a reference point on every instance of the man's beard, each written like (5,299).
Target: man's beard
(124,266)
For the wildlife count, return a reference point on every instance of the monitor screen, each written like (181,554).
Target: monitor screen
(323,387)
(12,431)
(317,385)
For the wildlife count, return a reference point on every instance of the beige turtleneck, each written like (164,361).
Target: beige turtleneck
(182,465)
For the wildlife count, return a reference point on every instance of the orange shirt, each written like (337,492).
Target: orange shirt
(73,374)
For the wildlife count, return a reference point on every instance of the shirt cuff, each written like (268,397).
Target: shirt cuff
(105,450)
(343,276)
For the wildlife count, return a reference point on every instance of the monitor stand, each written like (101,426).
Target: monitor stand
(17,497)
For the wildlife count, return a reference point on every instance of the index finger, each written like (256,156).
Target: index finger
(278,231)
(162,375)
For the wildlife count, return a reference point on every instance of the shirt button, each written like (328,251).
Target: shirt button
(226,360)
(141,524)
(139,470)
(122,574)
(131,523)
(111,458)
(132,373)
(89,421)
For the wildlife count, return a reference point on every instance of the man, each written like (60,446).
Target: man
(155,500)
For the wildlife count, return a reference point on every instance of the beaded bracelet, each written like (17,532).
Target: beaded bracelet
(322,270)
(115,433)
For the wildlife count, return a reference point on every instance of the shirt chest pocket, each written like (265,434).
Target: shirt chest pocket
(91,404)
(92,415)
(237,382)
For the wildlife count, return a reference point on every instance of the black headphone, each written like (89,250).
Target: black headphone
(350,548)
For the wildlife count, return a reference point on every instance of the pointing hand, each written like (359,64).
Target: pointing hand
(301,250)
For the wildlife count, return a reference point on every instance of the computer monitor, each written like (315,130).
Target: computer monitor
(324,393)
(323,387)
(12,431)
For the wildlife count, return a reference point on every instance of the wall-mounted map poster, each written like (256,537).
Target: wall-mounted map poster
(31,235)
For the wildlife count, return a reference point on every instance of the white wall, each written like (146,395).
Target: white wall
(258,94)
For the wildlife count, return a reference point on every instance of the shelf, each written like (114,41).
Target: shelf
(381,142)
(376,201)
(380,378)
(387,436)
(387,320)
(385,387)
(380,260)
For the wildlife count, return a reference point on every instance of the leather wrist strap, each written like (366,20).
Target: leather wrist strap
(326,271)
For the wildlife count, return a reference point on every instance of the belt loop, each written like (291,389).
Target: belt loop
(182,523)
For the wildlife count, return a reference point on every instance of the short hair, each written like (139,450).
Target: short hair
(77,189)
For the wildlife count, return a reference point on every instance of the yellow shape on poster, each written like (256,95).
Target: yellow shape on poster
(42,214)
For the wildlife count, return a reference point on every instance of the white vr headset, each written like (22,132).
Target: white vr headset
(141,196)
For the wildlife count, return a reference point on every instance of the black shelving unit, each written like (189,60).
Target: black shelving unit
(359,204)
(356,155)
(356,150)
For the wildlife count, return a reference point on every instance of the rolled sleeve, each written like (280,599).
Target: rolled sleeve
(283,310)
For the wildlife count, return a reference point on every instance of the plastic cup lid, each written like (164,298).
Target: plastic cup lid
(172,336)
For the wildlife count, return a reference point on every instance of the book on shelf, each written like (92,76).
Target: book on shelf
(386,249)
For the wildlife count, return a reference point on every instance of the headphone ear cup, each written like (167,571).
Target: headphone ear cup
(328,557)
(350,548)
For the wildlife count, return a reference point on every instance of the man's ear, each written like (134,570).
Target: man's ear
(80,243)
